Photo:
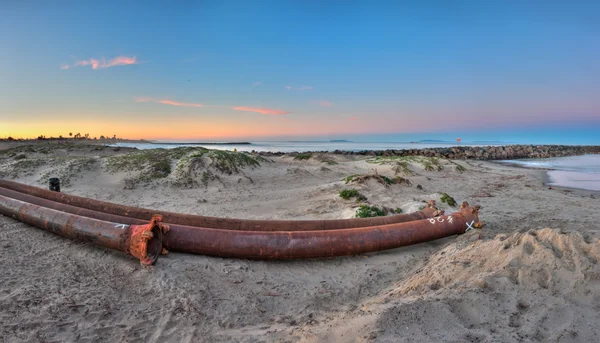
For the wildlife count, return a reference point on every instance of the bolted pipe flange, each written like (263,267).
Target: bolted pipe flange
(146,241)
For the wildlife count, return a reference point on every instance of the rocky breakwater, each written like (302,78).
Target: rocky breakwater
(507,152)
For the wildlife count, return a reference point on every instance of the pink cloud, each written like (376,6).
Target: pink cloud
(261,110)
(168,102)
(101,64)
(121,61)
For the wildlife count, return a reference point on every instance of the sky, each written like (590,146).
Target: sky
(256,70)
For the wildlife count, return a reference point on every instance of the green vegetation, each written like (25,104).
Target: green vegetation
(186,170)
(398,180)
(201,163)
(193,165)
(350,178)
(68,169)
(303,156)
(402,167)
(325,158)
(427,165)
(22,167)
(348,194)
(398,210)
(384,180)
(401,163)
(151,164)
(366,211)
(436,163)
(229,162)
(393,159)
(459,168)
(448,199)
(388,180)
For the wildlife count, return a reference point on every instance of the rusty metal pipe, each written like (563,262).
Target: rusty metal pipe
(310,244)
(141,241)
(245,244)
(84,212)
(215,222)
(125,220)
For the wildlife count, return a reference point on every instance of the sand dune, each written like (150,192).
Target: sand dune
(514,280)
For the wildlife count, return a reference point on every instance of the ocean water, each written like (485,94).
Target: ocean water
(573,171)
(300,146)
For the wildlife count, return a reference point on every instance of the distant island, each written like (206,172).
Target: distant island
(339,141)
(208,143)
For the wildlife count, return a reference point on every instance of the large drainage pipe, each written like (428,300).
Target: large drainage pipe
(240,244)
(142,241)
(309,244)
(84,212)
(215,222)
(101,215)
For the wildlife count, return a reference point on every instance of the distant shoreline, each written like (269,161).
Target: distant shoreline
(196,143)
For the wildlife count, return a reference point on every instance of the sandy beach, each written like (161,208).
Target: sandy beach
(531,274)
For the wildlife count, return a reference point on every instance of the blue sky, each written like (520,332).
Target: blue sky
(264,69)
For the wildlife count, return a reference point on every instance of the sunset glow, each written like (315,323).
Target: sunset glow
(392,68)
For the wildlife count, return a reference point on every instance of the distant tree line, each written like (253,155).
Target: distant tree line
(77,136)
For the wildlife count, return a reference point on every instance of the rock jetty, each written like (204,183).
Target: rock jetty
(506,152)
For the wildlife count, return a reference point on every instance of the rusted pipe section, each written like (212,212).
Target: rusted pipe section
(231,243)
(84,212)
(308,244)
(141,241)
(215,222)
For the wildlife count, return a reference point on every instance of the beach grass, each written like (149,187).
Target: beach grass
(445,198)
(348,194)
(366,211)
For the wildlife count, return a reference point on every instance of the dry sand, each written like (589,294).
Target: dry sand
(531,274)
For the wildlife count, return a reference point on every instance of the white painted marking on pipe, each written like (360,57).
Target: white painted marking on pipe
(122,226)
(470,226)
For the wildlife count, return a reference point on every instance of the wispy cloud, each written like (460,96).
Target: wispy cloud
(301,88)
(256,84)
(261,110)
(322,103)
(102,63)
(168,102)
